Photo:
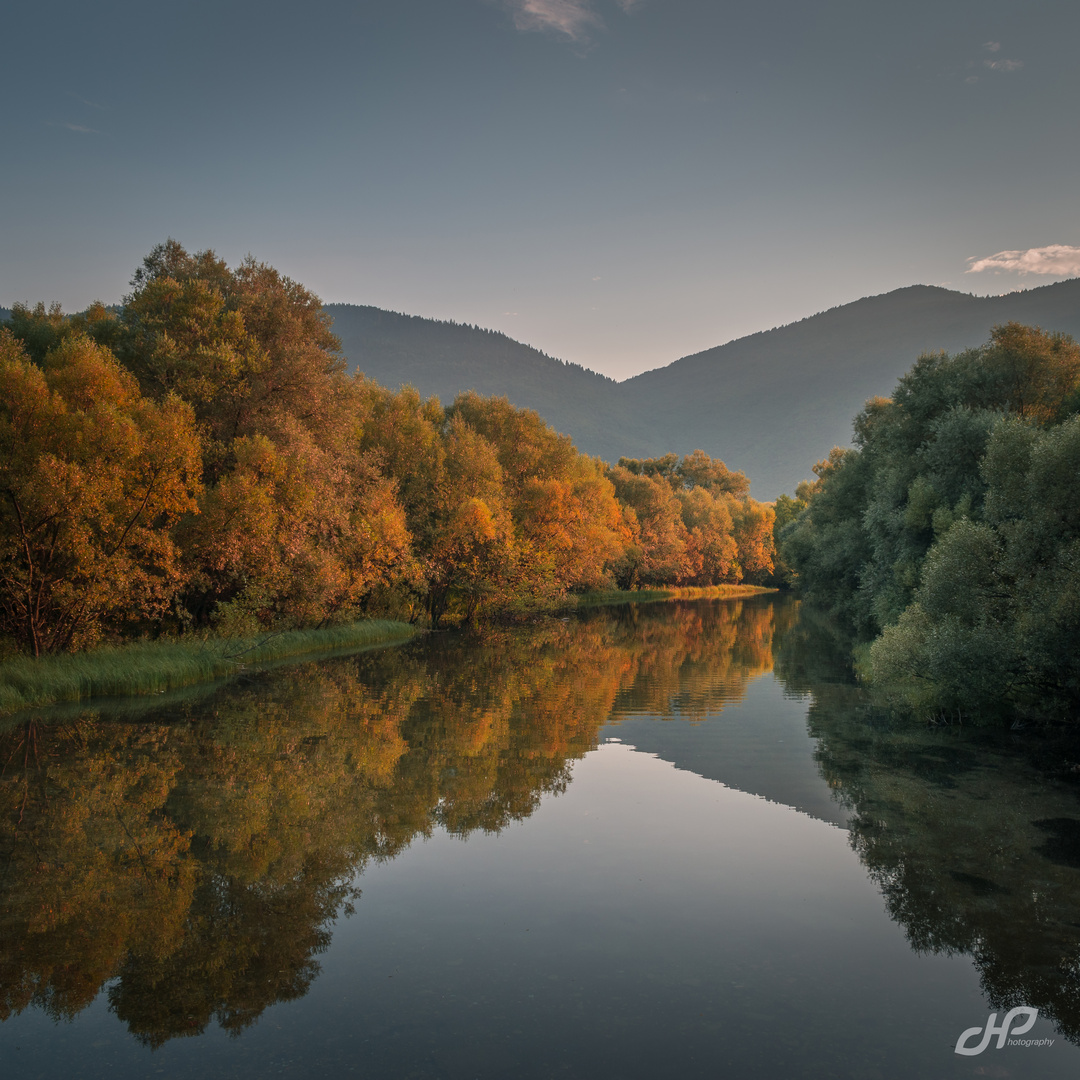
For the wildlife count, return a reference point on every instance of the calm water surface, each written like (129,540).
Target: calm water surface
(649,841)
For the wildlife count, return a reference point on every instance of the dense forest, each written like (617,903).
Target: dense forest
(951,531)
(198,458)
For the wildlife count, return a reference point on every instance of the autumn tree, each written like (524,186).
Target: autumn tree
(92,475)
(658,552)
(568,526)
(696,470)
(719,534)
(298,525)
(472,553)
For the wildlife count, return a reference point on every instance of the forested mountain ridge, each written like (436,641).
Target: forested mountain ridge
(769,404)
(444,358)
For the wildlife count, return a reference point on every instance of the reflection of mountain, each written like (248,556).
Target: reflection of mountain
(973,839)
(760,748)
(198,856)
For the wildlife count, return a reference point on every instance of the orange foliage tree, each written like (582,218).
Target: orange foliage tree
(92,474)
(271,489)
(298,525)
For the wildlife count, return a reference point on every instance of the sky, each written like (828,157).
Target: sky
(616,182)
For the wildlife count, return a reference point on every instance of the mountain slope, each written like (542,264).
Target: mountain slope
(445,358)
(770,404)
(773,403)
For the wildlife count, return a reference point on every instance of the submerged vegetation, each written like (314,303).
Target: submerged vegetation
(951,532)
(198,461)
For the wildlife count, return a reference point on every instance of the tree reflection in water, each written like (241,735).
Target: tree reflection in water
(972,836)
(195,857)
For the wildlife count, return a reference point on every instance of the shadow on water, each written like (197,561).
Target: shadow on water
(191,861)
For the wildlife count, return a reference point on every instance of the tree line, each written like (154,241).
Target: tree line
(950,532)
(197,457)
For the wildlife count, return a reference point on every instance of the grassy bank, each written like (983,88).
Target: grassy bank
(644,596)
(151,667)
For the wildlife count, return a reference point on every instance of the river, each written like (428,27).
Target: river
(655,840)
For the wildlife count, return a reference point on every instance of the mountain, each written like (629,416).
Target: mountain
(770,404)
(773,403)
(444,358)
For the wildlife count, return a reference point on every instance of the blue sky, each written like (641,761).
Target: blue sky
(618,182)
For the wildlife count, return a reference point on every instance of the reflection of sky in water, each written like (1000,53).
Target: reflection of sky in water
(646,922)
(687,907)
(759,747)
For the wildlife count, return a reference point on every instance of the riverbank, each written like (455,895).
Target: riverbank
(153,667)
(142,668)
(644,596)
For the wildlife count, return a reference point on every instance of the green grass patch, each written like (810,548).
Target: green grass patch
(153,667)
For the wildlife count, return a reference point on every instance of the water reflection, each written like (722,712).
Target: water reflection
(190,861)
(972,836)
(972,839)
(195,858)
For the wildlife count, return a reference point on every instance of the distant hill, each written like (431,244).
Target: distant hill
(770,404)
(444,358)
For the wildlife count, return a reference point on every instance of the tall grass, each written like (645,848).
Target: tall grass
(151,667)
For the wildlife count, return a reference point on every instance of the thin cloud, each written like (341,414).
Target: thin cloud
(82,129)
(992,46)
(1003,65)
(1059,259)
(573,18)
(91,104)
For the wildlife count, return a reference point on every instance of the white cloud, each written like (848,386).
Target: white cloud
(1004,65)
(574,18)
(1059,259)
(992,46)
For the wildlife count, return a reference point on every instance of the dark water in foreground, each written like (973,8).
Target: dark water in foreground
(668,840)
